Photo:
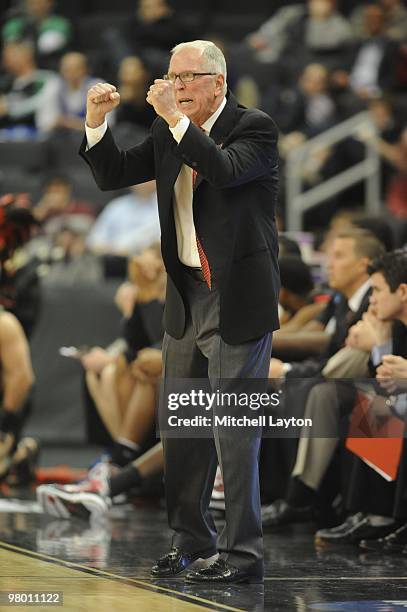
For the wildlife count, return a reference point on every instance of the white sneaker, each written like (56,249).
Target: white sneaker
(85,500)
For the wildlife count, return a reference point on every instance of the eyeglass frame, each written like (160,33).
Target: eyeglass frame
(195,74)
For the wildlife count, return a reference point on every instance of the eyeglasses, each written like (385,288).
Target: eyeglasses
(185,77)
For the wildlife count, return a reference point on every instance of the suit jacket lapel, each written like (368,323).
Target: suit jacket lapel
(362,308)
(222,127)
(225,123)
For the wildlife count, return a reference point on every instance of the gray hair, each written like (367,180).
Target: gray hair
(214,58)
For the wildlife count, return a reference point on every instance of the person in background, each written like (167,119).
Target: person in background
(307,108)
(118,378)
(351,253)
(316,28)
(57,200)
(50,34)
(67,106)
(94,497)
(295,300)
(16,374)
(128,224)
(395,20)
(372,69)
(133,85)
(24,95)
(150,33)
(348,259)
(123,381)
(65,223)
(20,289)
(376,510)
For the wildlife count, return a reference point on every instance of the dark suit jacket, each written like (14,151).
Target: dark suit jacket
(233,206)
(344,320)
(386,74)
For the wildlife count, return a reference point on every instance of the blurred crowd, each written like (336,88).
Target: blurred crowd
(310,65)
(343,298)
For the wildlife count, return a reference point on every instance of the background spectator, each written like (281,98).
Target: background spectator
(36,22)
(128,224)
(67,107)
(296,289)
(395,20)
(134,80)
(373,68)
(150,33)
(66,222)
(23,105)
(307,108)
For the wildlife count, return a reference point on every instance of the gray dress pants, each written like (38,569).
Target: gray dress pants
(190,463)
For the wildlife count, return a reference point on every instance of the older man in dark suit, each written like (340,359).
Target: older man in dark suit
(216,168)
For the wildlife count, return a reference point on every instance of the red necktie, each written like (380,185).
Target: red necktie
(202,257)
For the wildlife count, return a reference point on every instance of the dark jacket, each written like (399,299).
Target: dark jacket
(143,328)
(338,309)
(233,206)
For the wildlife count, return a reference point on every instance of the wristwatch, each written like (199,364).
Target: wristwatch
(390,402)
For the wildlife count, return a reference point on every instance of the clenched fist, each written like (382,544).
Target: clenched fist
(102,98)
(161,96)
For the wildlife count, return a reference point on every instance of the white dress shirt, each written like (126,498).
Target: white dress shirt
(127,225)
(183,192)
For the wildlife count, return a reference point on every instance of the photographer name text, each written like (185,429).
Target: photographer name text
(243,421)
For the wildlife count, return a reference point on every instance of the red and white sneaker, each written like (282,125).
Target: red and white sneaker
(102,470)
(88,499)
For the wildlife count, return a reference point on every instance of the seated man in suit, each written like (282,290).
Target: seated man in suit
(352,251)
(377,506)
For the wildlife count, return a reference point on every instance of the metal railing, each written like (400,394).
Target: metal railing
(299,201)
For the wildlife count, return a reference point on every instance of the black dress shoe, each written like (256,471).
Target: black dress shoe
(221,572)
(356,528)
(282,513)
(177,561)
(394,542)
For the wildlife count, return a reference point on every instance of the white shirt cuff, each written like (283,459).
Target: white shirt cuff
(180,128)
(287,367)
(95,135)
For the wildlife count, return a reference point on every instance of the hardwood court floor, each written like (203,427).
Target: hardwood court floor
(105,567)
(82,591)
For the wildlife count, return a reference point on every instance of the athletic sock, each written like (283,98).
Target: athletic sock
(124,452)
(11,422)
(124,480)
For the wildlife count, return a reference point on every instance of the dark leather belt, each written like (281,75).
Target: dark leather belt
(196,273)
